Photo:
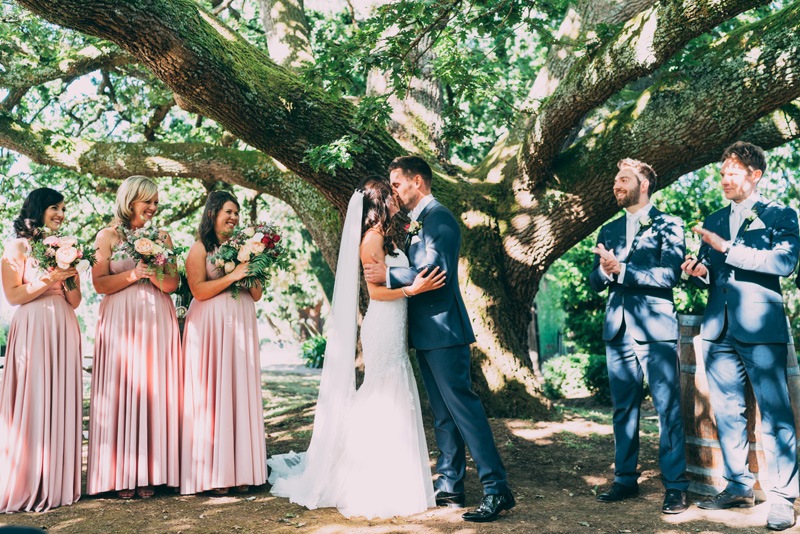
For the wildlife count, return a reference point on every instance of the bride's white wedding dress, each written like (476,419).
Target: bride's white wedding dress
(379,464)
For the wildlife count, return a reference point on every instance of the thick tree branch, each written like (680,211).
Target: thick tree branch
(578,26)
(206,162)
(643,44)
(681,124)
(13,98)
(228,80)
(777,128)
(84,61)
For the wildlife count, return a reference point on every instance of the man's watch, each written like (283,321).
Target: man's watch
(727,247)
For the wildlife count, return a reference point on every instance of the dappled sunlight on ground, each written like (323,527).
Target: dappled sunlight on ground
(755,517)
(556,469)
(542,433)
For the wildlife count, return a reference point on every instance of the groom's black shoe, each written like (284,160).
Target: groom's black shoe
(674,502)
(451,500)
(619,492)
(490,507)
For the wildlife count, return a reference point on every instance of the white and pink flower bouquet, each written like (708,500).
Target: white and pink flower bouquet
(146,245)
(261,245)
(62,251)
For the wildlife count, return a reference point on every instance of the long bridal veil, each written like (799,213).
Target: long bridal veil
(305,477)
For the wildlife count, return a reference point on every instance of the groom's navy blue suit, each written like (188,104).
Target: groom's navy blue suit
(744,333)
(440,331)
(641,334)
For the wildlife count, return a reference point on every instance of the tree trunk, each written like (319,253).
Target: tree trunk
(287,32)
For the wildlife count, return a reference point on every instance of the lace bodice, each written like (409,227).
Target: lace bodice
(384,331)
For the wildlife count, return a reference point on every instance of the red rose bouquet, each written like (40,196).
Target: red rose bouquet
(260,245)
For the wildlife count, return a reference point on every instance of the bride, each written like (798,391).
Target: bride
(368,456)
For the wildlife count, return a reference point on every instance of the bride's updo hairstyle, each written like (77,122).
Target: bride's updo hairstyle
(31,216)
(377,197)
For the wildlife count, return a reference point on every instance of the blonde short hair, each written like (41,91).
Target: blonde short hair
(133,189)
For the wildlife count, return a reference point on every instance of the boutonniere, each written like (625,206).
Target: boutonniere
(645,222)
(413,227)
(749,214)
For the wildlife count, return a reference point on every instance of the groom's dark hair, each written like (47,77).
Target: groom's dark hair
(412,166)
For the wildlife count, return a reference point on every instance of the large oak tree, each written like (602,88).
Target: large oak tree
(669,82)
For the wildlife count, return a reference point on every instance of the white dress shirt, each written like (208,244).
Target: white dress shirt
(631,229)
(736,217)
(414,214)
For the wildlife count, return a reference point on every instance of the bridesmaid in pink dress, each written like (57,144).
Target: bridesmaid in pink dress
(222,435)
(40,396)
(136,382)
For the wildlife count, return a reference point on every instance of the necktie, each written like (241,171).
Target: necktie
(735,220)
(630,231)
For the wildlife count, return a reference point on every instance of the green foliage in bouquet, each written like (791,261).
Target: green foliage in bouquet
(147,245)
(61,251)
(260,245)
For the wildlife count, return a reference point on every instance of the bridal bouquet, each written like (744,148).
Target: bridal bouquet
(260,245)
(146,245)
(60,251)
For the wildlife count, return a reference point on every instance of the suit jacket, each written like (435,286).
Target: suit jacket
(438,318)
(744,286)
(642,300)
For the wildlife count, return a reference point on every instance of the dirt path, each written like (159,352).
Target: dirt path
(555,469)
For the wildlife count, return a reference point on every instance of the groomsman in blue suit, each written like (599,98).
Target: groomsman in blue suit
(638,258)
(747,247)
(441,333)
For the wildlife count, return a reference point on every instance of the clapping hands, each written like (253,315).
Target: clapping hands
(608,261)
(693,266)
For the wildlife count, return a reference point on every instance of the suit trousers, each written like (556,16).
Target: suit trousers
(459,419)
(629,362)
(728,362)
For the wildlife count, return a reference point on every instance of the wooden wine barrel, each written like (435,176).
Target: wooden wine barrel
(703,453)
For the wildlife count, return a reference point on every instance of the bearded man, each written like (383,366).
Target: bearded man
(638,258)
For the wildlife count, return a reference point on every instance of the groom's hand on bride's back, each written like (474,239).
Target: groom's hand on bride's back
(375,273)
(427,280)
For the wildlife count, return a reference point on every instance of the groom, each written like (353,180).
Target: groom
(440,331)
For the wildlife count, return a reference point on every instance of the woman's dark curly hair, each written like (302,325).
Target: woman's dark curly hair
(377,197)
(214,203)
(31,216)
